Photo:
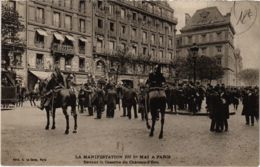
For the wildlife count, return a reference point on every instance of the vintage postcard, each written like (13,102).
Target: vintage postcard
(130,83)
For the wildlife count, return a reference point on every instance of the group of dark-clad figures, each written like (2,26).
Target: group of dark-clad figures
(154,96)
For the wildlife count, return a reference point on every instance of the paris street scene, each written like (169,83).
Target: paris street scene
(129,83)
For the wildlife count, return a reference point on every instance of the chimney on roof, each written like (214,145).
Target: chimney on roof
(187,18)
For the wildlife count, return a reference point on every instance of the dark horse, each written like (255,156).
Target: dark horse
(156,103)
(60,98)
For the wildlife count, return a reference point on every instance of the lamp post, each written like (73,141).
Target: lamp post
(194,51)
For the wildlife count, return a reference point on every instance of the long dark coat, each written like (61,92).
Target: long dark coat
(248,105)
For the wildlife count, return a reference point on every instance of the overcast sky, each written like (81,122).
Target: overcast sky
(247,37)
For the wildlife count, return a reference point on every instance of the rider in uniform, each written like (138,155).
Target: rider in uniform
(156,78)
(57,76)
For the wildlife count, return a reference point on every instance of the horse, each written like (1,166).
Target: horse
(60,98)
(155,103)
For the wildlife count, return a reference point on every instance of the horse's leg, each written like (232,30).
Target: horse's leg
(162,123)
(53,119)
(75,119)
(48,119)
(146,119)
(64,109)
(154,116)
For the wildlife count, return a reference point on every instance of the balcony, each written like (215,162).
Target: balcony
(63,49)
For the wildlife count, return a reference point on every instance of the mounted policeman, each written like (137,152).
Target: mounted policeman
(57,95)
(156,98)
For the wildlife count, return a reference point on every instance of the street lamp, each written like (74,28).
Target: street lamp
(194,51)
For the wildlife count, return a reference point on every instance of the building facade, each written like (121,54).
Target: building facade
(57,32)
(214,34)
(130,37)
(115,40)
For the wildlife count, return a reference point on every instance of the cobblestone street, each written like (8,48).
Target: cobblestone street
(187,140)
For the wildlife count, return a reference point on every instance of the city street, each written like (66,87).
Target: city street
(187,140)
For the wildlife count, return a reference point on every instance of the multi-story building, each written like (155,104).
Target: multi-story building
(142,31)
(214,34)
(120,40)
(57,32)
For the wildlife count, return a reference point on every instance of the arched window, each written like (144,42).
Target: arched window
(100,67)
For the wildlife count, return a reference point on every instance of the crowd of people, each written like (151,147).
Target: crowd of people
(189,96)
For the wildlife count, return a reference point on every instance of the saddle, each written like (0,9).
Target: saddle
(156,92)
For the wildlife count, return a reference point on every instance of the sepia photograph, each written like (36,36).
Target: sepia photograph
(130,83)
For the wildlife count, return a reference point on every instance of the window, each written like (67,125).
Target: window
(56,19)
(39,40)
(203,50)
(144,50)
(39,61)
(99,45)
(17,61)
(153,53)
(170,55)
(12,5)
(81,64)
(170,42)
(82,47)
(179,41)
(133,32)
(161,40)
(82,25)
(144,36)
(219,49)
(68,3)
(134,49)
(122,13)
(82,6)
(134,16)
(68,22)
(122,46)
(218,60)
(57,60)
(68,62)
(152,38)
(161,55)
(219,35)
(203,37)
(189,39)
(100,23)
(112,26)
(110,9)
(166,30)
(111,45)
(100,4)
(40,15)
(123,29)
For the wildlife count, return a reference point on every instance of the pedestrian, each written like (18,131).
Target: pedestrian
(131,101)
(174,97)
(98,100)
(248,106)
(111,100)
(141,101)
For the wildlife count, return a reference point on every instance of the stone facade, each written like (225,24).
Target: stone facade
(214,35)
(144,30)
(56,33)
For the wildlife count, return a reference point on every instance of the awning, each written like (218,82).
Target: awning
(70,38)
(58,36)
(83,39)
(42,32)
(41,74)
